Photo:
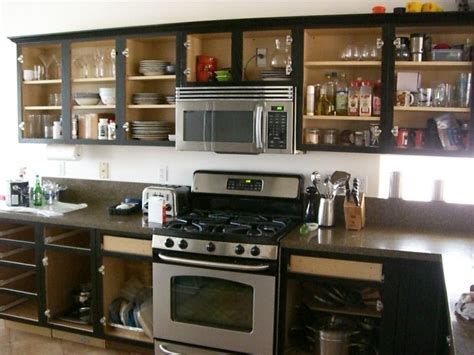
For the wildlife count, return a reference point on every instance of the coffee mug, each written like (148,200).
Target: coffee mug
(28,74)
(405,98)
(425,97)
(418,138)
(402,137)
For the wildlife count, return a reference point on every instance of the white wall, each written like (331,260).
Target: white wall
(142,163)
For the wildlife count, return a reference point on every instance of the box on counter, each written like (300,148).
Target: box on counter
(354,216)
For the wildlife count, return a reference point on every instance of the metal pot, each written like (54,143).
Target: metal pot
(334,342)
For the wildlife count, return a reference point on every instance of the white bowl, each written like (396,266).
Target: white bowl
(108,99)
(84,101)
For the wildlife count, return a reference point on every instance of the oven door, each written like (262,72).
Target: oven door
(197,302)
(220,125)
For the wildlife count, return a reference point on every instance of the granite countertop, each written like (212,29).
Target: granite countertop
(455,250)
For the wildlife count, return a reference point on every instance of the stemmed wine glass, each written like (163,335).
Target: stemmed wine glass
(47,60)
(57,61)
(99,63)
(110,59)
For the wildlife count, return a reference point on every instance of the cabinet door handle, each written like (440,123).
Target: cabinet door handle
(103,321)
(187,72)
(47,313)
(126,126)
(379,43)
(20,59)
(397,43)
(187,44)
(125,52)
(45,261)
(101,270)
(21,126)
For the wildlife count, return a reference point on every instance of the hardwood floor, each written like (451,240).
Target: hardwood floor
(15,342)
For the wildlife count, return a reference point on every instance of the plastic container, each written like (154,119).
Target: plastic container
(310,100)
(103,128)
(453,55)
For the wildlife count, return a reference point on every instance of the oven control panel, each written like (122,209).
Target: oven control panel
(198,246)
(244,184)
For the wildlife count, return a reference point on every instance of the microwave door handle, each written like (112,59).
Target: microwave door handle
(213,264)
(258,127)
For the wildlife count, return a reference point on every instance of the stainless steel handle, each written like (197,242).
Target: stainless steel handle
(126,126)
(258,126)
(170,352)
(214,264)
(21,126)
(397,43)
(125,52)
(20,59)
(379,43)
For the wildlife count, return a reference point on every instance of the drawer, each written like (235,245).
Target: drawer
(127,245)
(346,269)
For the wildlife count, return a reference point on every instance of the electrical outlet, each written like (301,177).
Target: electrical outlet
(62,168)
(104,170)
(163,173)
(261,61)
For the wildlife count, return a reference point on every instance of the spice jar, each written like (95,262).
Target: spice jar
(312,135)
(359,138)
(330,136)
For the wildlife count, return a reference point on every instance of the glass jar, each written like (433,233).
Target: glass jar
(403,52)
(280,56)
(330,136)
(359,138)
(312,135)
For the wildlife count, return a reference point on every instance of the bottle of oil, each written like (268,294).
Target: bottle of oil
(325,106)
(342,92)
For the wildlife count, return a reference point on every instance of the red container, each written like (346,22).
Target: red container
(205,68)
(402,138)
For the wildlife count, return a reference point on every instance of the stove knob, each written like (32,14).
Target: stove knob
(255,251)
(169,243)
(210,247)
(183,244)
(239,249)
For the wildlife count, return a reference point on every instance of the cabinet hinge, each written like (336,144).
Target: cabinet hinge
(289,40)
(103,321)
(47,313)
(20,59)
(394,131)
(45,261)
(125,52)
(379,43)
(21,126)
(126,126)
(397,42)
(187,72)
(101,269)
(113,53)
(187,44)
(379,306)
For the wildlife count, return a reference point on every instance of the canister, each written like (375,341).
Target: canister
(330,136)
(312,135)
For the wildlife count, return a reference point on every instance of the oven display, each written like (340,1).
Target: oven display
(245,184)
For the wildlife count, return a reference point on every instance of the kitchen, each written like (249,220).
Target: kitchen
(372,168)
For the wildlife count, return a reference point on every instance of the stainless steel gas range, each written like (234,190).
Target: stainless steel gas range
(215,269)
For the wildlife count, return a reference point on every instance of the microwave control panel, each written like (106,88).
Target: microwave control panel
(277,128)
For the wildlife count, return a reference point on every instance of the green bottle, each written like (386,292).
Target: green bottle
(37,193)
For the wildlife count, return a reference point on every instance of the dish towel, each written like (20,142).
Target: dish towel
(55,210)
(465,306)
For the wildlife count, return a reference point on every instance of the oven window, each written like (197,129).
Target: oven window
(212,302)
(232,126)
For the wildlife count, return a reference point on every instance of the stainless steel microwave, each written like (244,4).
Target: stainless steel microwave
(242,120)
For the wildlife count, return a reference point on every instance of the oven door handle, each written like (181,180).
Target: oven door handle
(258,126)
(166,351)
(213,264)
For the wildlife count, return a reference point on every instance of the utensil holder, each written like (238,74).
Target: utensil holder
(326,212)
(354,216)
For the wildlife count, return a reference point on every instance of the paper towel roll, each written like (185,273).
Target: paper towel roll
(63,152)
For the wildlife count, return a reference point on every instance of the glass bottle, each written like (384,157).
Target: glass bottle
(280,55)
(310,213)
(342,93)
(37,193)
(325,106)
(365,99)
(330,88)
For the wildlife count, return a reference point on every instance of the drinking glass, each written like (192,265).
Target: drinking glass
(351,52)
(99,63)
(46,60)
(57,62)
(110,61)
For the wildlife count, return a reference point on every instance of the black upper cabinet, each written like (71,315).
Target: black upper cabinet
(299,51)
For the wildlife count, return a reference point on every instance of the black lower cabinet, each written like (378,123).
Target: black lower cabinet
(360,305)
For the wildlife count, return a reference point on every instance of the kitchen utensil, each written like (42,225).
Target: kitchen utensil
(315,180)
(395,190)
(355,191)
(326,212)
(338,176)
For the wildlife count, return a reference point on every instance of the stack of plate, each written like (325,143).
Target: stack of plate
(152,67)
(170,99)
(275,74)
(148,98)
(151,130)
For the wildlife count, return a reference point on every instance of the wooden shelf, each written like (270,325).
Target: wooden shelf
(431,109)
(152,77)
(342,118)
(27,310)
(93,80)
(42,108)
(342,63)
(434,64)
(151,106)
(42,82)
(353,311)
(72,325)
(94,107)
(128,334)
